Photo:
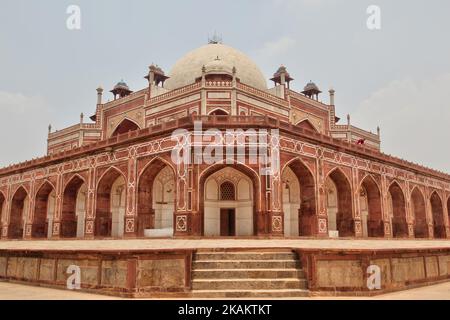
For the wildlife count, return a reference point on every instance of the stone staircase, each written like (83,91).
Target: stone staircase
(248,274)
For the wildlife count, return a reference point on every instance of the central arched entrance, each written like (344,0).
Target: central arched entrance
(438,216)
(19,209)
(228,202)
(397,211)
(111,204)
(339,204)
(43,209)
(299,200)
(371,212)
(420,214)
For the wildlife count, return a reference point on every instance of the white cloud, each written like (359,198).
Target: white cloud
(23,126)
(414,116)
(276,48)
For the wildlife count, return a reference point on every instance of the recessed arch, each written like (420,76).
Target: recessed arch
(236,164)
(307,124)
(218,112)
(73,208)
(420,213)
(301,207)
(2,205)
(154,213)
(19,209)
(371,211)
(437,211)
(397,209)
(339,203)
(226,211)
(43,205)
(110,204)
(125,126)
(448,209)
(251,207)
(151,163)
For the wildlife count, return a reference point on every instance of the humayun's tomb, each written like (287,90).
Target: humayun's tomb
(115,177)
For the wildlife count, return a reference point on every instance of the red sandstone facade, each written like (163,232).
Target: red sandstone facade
(105,172)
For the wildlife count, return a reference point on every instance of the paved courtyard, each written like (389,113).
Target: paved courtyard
(11,291)
(154,244)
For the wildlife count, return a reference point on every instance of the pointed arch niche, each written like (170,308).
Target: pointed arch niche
(397,211)
(339,204)
(299,200)
(125,126)
(156,200)
(19,209)
(111,198)
(437,211)
(371,212)
(419,213)
(44,209)
(74,208)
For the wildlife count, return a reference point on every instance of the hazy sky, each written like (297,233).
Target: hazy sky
(397,77)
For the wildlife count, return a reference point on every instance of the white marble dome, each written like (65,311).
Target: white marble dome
(189,68)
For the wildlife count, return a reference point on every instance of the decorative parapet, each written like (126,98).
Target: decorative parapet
(175,93)
(131,97)
(259,93)
(310,101)
(218,84)
(356,130)
(75,128)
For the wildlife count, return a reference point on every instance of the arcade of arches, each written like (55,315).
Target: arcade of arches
(231,203)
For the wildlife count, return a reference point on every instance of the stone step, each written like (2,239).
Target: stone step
(245,264)
(246,256)
(247,273)
(248,284)
(221,294)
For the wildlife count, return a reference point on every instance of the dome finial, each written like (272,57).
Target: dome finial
(215,39)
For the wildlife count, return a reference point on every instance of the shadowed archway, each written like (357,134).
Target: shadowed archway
(339,200)
(437,210)
(110,209)
(398,211)
(219,112)
(305,196)
(124,127)
(156,197)
(2,204)
(43,204)
(448,209)
(419,213)
(372,215)
(19,208)
(307,125)
(71,221)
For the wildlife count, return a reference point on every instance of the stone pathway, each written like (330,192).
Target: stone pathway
(153,244)
(11,291)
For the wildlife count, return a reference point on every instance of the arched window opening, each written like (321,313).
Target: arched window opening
(124,127)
